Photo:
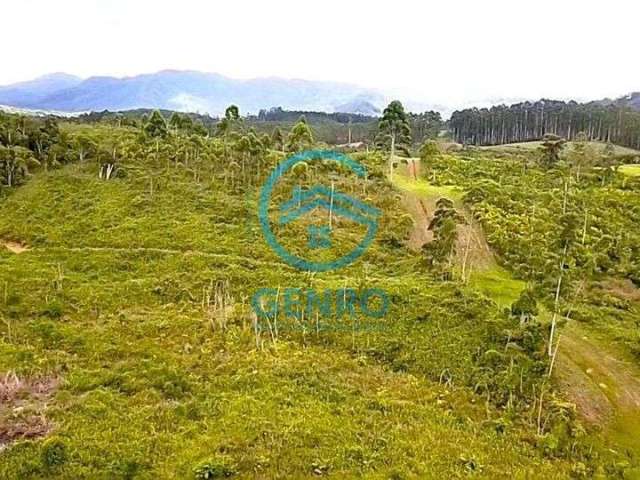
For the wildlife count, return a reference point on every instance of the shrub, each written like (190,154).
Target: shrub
(211,469)
(54,453)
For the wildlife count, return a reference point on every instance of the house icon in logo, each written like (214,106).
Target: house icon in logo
(336,204)
(317,198)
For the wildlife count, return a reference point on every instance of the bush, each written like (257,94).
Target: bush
(213,469)
(54,309)
(54,453)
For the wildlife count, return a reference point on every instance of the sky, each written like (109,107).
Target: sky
(453,52)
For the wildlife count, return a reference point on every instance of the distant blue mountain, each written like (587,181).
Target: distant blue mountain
(360,106)
(33,91)
(188,91)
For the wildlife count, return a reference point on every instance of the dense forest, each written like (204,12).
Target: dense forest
(531,121)
(277,114)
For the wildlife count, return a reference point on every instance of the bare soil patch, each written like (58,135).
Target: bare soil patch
(14,247)
(598,382)
(621,288)
(23,403)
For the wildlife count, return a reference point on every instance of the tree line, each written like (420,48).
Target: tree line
(330,128)
(528,121)
(27,143)
(30,143)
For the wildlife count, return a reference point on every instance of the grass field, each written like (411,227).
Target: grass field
(111,307)
(630,170)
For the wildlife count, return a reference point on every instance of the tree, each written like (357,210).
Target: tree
(429,152)
(265,140)
(14,164)
(525,307)
(249,145)
(277,139)
(609,164)
(84,146)
(583,155)
(232,113)
(228,125)
(42,137)
(108,164)
(175,122)
(551,148)
(300,137)
(394,132)
(528,121)
(230,120)
(155,126)
(425,126)
(441,249)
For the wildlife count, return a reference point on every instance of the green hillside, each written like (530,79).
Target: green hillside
(129,347)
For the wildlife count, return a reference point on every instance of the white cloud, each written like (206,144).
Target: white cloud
(442,52)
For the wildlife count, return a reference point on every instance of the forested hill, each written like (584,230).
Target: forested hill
(614,122)
(277,114)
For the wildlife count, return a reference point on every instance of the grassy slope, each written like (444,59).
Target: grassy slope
(109,299)
(601,378)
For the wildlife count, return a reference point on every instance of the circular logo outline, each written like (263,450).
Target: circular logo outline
(265,199)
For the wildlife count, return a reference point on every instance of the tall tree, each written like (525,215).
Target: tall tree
(612,122)
(14,164)
(608,162)
(175,122)
(228,126)
(300,137)
(229,121)
(394,132)
(440,251)
(84,146)
(582,155)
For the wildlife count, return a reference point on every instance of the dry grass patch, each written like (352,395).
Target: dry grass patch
(23,402)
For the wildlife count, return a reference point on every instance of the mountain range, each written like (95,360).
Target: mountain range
(211,93)
(188,91)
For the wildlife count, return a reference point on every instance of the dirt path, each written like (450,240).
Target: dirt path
(164,251)
(420,200)
(420,234)
(604,387)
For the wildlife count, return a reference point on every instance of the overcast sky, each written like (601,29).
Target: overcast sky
(448,52)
